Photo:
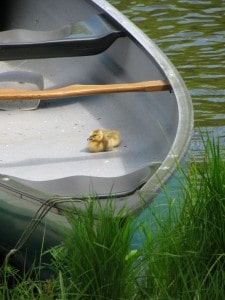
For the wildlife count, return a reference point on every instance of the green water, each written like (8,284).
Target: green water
(192,35)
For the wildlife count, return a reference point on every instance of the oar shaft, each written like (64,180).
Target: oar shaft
(83,90)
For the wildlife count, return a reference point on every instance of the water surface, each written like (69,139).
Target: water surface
(192,35)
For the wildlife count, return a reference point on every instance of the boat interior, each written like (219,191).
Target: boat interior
(44,143)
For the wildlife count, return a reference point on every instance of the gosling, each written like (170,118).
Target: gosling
(103,140)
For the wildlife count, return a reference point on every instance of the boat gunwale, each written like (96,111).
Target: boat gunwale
(184,103)
(185,108)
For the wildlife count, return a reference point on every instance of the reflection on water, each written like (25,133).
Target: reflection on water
(192,34)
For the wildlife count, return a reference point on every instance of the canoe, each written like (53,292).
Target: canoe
(56,59)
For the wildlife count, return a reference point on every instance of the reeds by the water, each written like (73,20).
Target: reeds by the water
(182,257)
(93,260)
(186,255)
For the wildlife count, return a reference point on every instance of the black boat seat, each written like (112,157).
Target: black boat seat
(89,37)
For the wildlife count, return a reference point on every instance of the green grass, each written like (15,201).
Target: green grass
(93,260)
(186,255)
(182,257)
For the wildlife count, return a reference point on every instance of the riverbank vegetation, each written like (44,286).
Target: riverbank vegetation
(182,255)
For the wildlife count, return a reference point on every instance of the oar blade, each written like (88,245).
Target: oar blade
(18,80)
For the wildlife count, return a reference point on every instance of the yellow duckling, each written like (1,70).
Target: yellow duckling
(103,140)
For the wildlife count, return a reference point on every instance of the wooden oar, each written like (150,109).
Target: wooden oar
(83,90)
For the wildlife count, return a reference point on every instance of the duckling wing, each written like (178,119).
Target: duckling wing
(94,146)
(112,137)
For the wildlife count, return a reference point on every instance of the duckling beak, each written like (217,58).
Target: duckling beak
(89,139)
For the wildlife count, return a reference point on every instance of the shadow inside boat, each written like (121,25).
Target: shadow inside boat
(50,160)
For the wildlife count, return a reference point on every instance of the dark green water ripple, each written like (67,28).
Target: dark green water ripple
(192,35)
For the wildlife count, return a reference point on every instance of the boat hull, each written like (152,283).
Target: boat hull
(44,145)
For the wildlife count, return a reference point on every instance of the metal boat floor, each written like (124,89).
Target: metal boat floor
(50,143)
